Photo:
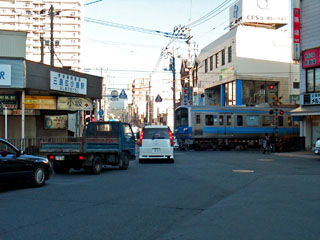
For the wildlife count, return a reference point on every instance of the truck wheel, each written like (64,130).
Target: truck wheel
(39,176)
(61,169)
(96,165)
(124,161)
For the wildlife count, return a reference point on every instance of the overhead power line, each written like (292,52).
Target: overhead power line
(181,35)
(213,13)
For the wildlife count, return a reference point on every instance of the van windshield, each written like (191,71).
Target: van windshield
(156,133)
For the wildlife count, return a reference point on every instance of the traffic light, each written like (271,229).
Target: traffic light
(87,117)
(281,112)
(271,87)
(271,112)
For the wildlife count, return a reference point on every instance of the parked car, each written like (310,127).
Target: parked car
(156,142)
(15,165)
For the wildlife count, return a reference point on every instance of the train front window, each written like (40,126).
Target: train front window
(209,120)
(181,117)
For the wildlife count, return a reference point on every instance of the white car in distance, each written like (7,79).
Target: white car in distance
(156,142)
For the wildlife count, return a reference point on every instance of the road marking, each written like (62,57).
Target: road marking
(243,171)
(265,160)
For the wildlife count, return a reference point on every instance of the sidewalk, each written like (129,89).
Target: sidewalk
(302,154)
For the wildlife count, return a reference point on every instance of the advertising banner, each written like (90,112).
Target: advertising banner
(40,102)
(9,101)
(55,122)
(311,58)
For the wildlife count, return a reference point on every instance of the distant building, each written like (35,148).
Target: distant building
(252,63)
(32,16)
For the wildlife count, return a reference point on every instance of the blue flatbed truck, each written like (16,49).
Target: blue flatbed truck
(101,144)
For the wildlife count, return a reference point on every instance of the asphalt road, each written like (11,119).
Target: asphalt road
(204,195)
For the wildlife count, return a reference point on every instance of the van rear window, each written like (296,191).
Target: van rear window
(156,133)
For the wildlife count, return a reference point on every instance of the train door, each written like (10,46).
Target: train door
(225,124)
(198,130)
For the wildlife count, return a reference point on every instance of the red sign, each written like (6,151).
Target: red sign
(296,25)
(311,58)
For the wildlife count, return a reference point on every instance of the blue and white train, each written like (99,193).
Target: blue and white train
(202,127)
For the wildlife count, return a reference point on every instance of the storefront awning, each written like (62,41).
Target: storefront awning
(306,111)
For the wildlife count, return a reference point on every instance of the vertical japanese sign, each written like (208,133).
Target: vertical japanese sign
(296,33)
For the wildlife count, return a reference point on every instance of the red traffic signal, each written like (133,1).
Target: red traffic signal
(281,112)
(271,87)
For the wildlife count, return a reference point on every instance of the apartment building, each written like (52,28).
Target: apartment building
(36,18)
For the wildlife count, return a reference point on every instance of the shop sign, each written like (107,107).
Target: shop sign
(296,33)
(312,98)
(9,101)
(68,83)
(311,58)
(26,112)
(74,103)
(5,75)
(55,122)
(40,102)
(18,112)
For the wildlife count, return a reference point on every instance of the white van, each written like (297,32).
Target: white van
(156,142)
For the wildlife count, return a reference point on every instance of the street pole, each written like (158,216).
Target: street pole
(41,48)
(51,13)
(173,66)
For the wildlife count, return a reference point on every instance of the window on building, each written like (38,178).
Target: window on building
(313,80)
(230,54)
(209,120)
(211,63)
(206,65)
(230,93)
(296,85)
(217,60)
(223,57)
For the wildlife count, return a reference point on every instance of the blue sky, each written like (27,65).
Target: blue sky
(117,49)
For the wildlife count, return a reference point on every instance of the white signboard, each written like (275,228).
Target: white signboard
(68,83)
(74,103)
(260,11)
(266,11)
(5,75)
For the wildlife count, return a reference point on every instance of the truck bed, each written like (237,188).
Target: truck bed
(81,145)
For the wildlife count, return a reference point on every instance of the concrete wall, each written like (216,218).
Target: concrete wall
(13,44)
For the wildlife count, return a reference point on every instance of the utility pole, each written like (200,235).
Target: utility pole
(173,69)
(51,13)
(41,48)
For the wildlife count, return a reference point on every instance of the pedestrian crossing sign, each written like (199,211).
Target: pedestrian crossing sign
(123,95)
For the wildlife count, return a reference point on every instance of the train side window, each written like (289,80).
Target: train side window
(267,121)
(229,120)
(198,119)
(221,122)
(280,121)
(240,120)
(252,121)
(289,121)
(209,120)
